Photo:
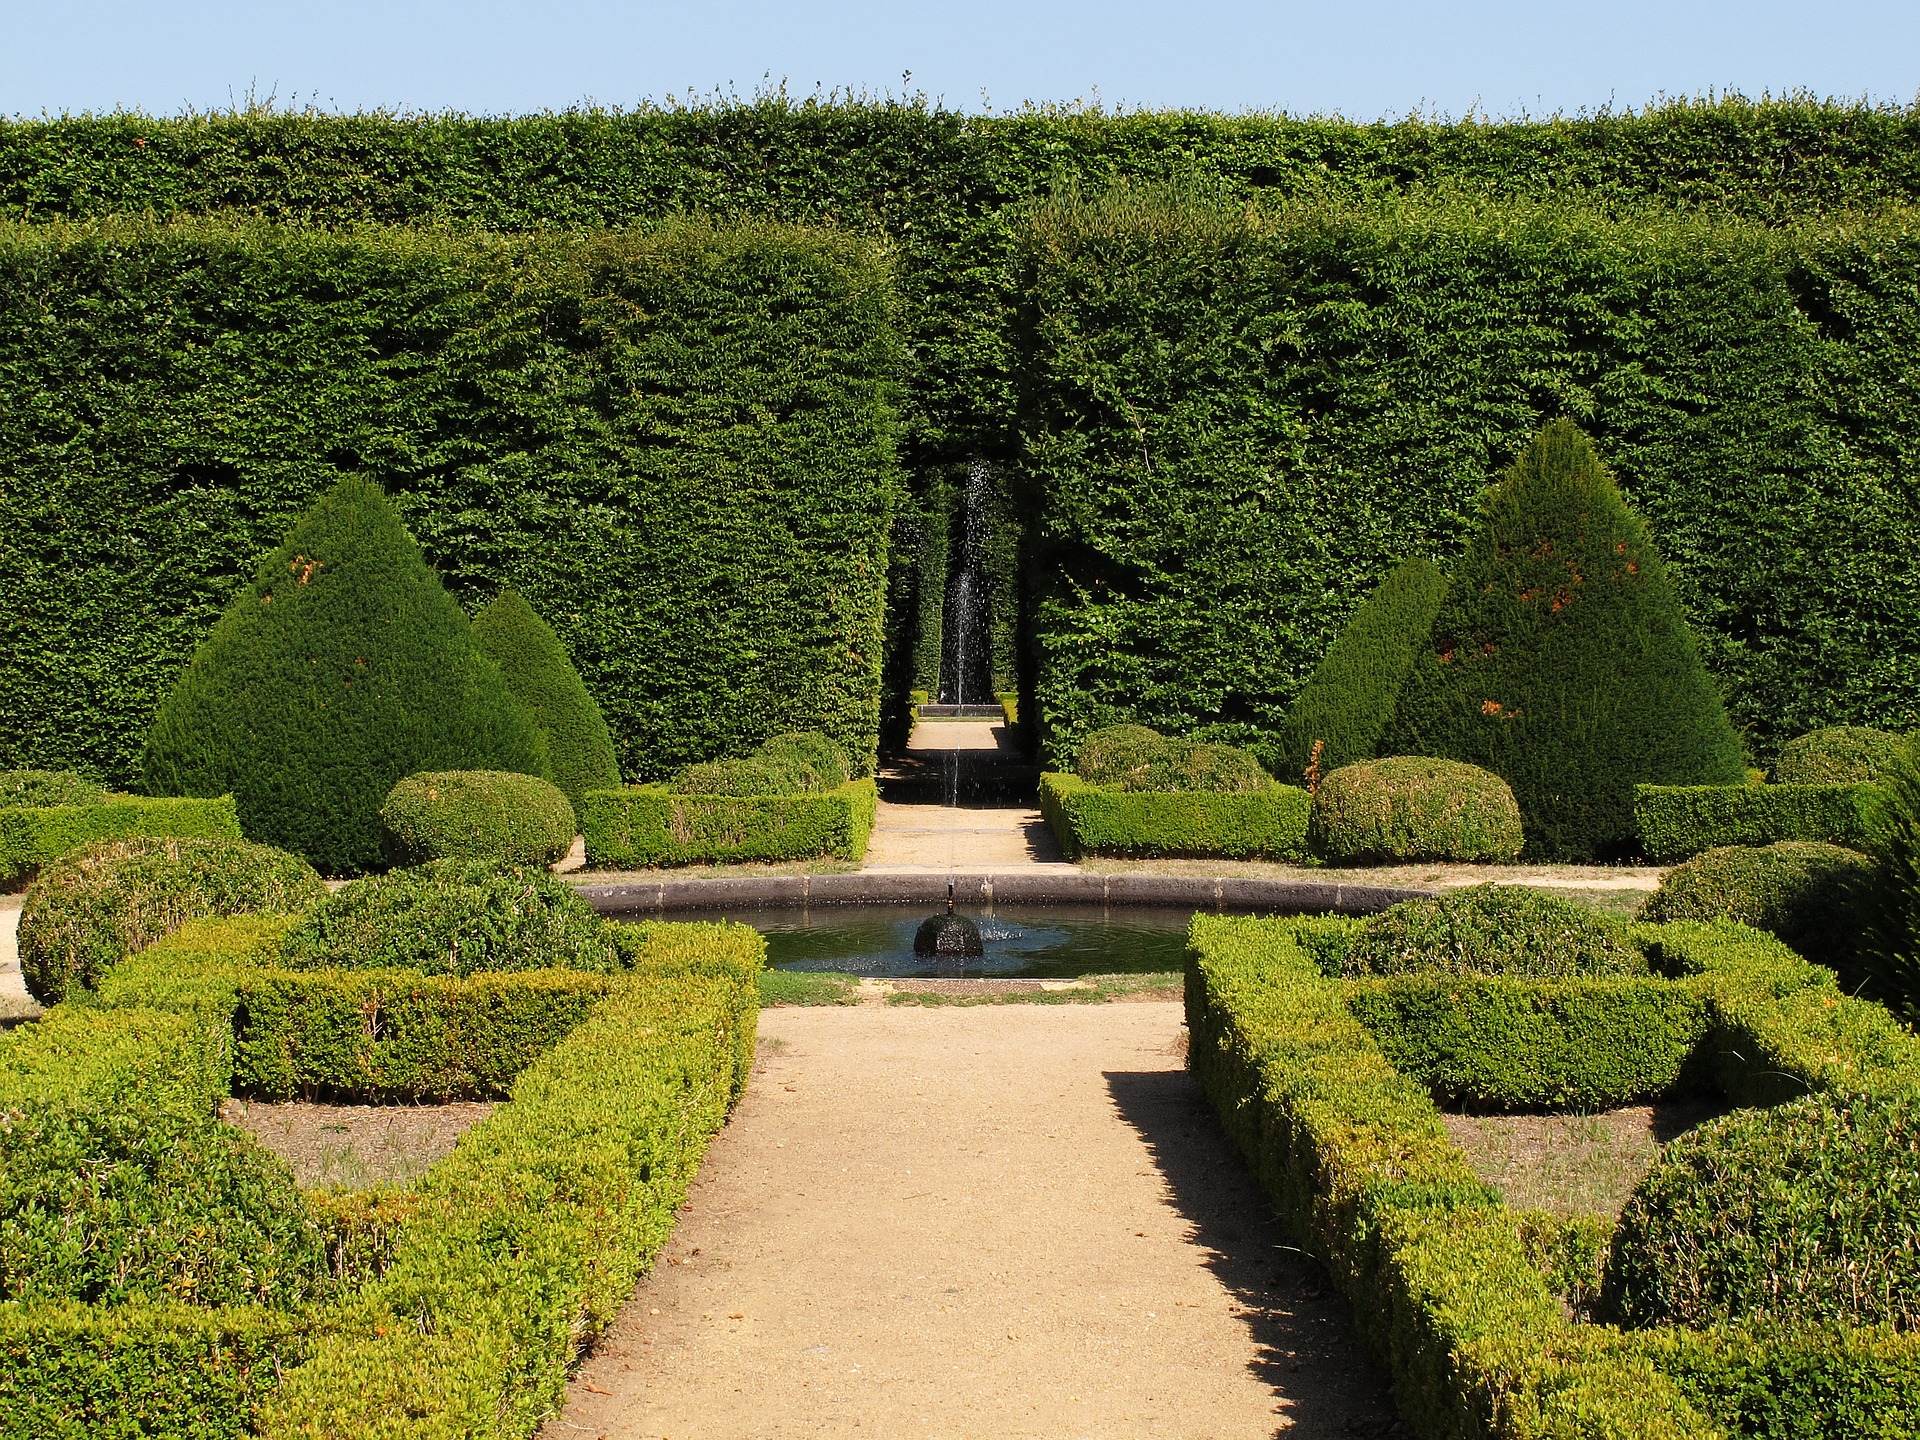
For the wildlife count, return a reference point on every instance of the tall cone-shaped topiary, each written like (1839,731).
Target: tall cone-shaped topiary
(342,668)
(1560,659)
(1351,697)
(541,675)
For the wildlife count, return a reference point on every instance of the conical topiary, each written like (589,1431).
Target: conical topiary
(342,668)
(541,675)
(1560,660)
(1350,699)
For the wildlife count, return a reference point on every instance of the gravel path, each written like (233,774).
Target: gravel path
(1005,1221)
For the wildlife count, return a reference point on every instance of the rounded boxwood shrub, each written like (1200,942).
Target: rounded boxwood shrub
(1491,930)
(1807,893)
(19,788)
(796,764)
(493,816)
(1842,755)
(90,909)
(1351,696)
(1807,1212)
(1133,757)
(453,917)
(1408,807)
(341,669)
(541,676)
(125,1202)
(1561,661)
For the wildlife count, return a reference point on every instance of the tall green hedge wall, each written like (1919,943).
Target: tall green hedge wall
(952,194)
(639,431)
(1235,421)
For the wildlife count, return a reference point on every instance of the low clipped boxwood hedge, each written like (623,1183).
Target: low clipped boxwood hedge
(1808,1212)
(1840,755)
(1457,1292)
(1264,824)
(645,826)
(801,763)
(1807,893)
(520,1245)
(1135,758)
(452,917)
(1409,807)
(494,816)
(95,906)
(1678,821)
(32,836)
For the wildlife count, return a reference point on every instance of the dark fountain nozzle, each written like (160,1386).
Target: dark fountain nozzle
(948,936)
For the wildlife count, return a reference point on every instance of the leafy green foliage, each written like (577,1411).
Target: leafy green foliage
(1235,419)
(588,395)
(796,764)
(90,909)
(47,787)
(31,836)
(1491,930)
(1890,948)
(452,917)
(341,669)
(1806,1212)
(541,676)
(1807,893)
(1350,696)
(1839,755)
(109,1204)
(1268,824)
(1135,758)
(1409,807)
(1560,659)
(494,816)
(647,825)
(1501,1043)
(1676,821)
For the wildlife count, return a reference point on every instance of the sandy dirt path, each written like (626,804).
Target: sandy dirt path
(976,1224)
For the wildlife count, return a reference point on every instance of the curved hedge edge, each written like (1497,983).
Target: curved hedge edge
(30,836)
(648,826)
(1202,824)
(1675,822)
(1780,1026)
(1356,1159)
(537,1227)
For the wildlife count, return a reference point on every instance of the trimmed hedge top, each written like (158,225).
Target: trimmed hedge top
(453,917)
(802,763)
(1135,758)
(1491,930)
(341,669)
(1561,660)
(1408,807)
(48,787)
(92,908)
(1807,893)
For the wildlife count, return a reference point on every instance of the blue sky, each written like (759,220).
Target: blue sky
(1364,60)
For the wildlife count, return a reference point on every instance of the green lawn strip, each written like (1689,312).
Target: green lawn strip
(806,987)
(1088,990)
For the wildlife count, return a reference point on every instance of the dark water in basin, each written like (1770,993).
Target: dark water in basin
(1041,942)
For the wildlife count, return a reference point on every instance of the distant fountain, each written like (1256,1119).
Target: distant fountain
(966,668)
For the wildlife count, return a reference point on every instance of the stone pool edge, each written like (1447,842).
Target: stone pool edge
(980,887)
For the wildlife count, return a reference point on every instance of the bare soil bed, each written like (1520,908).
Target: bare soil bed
(1574,1164)
(955,1222)
(356,1147)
